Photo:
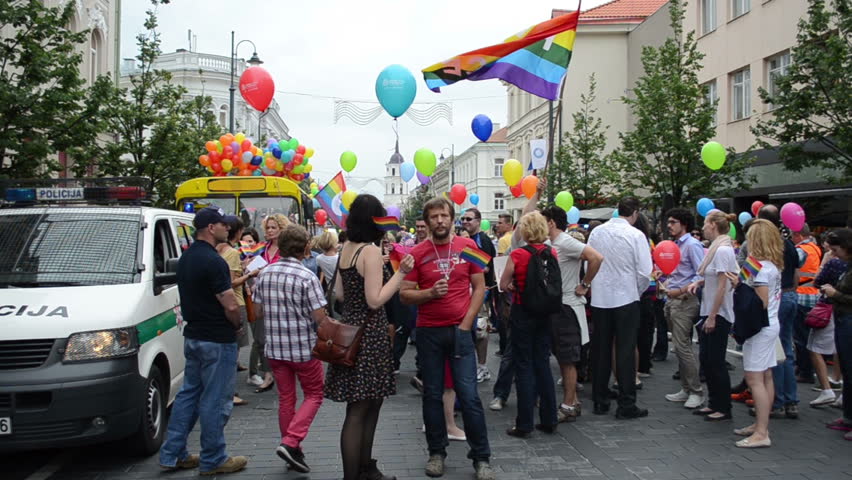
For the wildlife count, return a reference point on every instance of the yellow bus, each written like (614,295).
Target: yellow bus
(251,198)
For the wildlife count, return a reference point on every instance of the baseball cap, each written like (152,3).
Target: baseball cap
(210,215)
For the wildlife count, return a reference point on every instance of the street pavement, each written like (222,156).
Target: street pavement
(669,444)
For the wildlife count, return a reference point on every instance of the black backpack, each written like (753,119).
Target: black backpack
(542,293)
(749,313)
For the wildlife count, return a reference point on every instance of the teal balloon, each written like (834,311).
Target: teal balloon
(744,218)
(573,215)
(407,171)
(396,89)
(615,213)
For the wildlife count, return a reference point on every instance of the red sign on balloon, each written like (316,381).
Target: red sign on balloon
(257,88)
(667,256)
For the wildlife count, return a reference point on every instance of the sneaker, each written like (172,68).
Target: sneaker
(749,402)
(774,413)
(482,374)
(190,462)
(559,381)
(580,387)
(791,411)
(566,414)
(741,397)
(497,404)
(680,396)
(825,397)
(835,384)
(254,380)
(644,375)
(294,457)
(231,465)
(676,375)
(435,466)
(417,384)
(630,413)
(694,401)
(839,402)
(840,425)
(484,471)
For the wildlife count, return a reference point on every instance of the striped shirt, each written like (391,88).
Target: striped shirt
(289,293)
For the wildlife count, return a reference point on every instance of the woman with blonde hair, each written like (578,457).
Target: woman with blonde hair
(530,339)
(766,246)
(327,260)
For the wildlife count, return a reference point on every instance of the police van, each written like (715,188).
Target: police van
(91,343)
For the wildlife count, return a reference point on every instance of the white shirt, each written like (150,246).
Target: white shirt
(723,261)
(770,277)
(626,270)
(569,250)
(328,264)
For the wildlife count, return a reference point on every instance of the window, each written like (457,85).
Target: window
(710,96)
(740,7)
(777,66)
(741,94)
(223,116)
(393,189)
(708,16)
(498,167)
(393,172)
(499,203)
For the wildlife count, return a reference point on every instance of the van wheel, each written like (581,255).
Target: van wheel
(152,427)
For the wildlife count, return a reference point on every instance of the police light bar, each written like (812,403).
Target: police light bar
(73,191)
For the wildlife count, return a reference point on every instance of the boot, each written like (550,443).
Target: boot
(371,472)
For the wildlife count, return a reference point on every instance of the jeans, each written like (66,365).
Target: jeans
(784,375)
(506,374)
(843,339)
(645,337)
(715,346)
(618,326)
(531,351)
(292,423)
(435,345)
(207,395)
(681,313)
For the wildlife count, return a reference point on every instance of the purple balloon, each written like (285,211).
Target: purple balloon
(393,211)
(423,178)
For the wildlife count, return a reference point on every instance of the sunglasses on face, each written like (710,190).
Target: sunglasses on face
(467,219)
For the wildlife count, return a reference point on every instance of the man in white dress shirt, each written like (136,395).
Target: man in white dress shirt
(624,274)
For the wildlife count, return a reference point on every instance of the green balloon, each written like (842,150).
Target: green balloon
(293,144)
(564,200)
(713,154)
(733,231)
(298,169)
(348,160)
(425,161)
(485,225)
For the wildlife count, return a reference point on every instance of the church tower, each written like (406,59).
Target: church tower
(396,190)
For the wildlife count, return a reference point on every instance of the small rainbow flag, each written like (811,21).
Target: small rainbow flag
(396,255)
(750,269)
(326,196)
(475,256)
(246,252)
(387,224)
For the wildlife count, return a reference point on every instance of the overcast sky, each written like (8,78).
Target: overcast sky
(337,49)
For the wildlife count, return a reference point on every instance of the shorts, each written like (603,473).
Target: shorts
(566,338)
(821,340)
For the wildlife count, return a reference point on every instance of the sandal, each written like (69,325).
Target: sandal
(718,417)
(744,432)
(749,443)
(262,389)
(239,401)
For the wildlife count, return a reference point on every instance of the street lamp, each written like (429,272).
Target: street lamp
(453,164)
(253,61)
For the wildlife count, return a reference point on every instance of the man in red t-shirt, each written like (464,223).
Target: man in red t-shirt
(448,292)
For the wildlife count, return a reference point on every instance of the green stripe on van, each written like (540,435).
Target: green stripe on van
(156,325)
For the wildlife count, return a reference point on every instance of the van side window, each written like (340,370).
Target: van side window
(185,233)
(164,245)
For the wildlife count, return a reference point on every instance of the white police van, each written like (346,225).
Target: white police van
(91,344)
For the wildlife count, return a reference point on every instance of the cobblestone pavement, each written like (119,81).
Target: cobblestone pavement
(669,444)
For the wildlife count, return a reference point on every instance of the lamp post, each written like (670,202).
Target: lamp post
(253,61)
(453,164)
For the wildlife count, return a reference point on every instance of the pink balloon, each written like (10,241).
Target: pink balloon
(793,215)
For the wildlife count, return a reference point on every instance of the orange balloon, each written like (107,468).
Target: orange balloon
(245,172)
(224,140)
(210,146)
(529,185)
(204,160)
(270,162)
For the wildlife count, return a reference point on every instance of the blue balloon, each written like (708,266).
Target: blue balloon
(276,152)
(315,203)
(395,89)
(257,160)
(407,171)
(704,206)
(482,126)
(289,154)
(257,173)
(744,218)
(474,199)
(573,215)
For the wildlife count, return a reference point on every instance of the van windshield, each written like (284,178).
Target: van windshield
(43,247)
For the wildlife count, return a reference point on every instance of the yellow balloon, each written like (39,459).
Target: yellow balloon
(314,185)
(308,168)
(309,152)
(227,165)
(347,198)
(240,137)
(411,229)
(279,166)
(513,171)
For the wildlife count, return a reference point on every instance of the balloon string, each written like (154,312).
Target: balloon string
(396,129)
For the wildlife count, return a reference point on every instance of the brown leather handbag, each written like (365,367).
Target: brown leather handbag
(337,343)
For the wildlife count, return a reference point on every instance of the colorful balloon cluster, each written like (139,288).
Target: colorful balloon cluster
(236,155)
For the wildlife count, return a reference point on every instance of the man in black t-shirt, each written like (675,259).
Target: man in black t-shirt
(209,307)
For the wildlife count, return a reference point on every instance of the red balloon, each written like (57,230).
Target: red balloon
(298,159)
(216,166)
(228,152)
(214,156)
(458,193)
(257,88)
(246,145)
(320,216)
(517,190)
(300,149)
(667,256)
(755,207)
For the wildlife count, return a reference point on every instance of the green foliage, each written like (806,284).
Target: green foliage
(414,208)
(660,157)
(580,166)
(157,131)
(45,106)
(813,101)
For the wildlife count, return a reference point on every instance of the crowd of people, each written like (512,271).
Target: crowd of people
(592,298)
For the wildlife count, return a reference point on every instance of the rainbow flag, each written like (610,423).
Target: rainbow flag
(750,269)
(387,224)
(397,253)
(534,60)
(246,252)
(326,196)
(475,256)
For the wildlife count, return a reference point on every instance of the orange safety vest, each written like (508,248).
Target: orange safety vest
(808,272)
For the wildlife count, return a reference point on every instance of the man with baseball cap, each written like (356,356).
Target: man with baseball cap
(209,307)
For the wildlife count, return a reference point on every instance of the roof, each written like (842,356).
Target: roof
(616,12)
(499,136)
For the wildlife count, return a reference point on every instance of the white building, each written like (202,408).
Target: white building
(210,75)
(396,190)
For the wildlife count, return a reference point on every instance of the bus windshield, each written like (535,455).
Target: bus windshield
(254,209)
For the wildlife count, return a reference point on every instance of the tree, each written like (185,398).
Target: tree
(158,130)
(660,157)
(45,106)
(580,166)
(414,208)
(813,100)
